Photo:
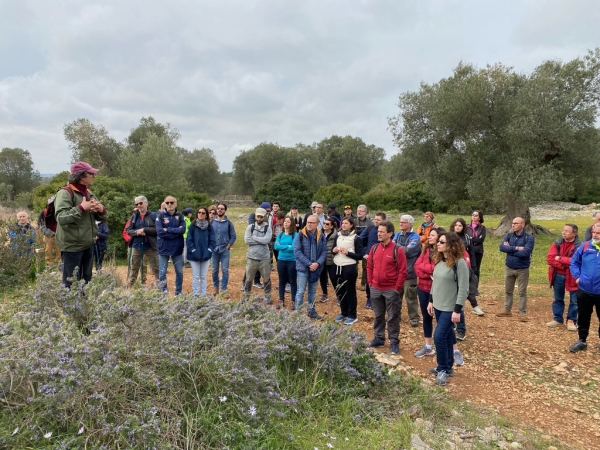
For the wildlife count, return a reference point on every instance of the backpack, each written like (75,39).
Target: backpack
(49,213)
(473,283)
(372,254)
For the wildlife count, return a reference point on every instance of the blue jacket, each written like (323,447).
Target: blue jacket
(411,244)
(200,243)
(285,245)
(518,259)
(585,265)
(224,234)
(169,232)
(302,252)
(369,238)
(102,236)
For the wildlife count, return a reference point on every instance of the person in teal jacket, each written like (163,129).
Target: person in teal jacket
(286,261)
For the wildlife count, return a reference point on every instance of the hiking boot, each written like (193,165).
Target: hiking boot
(477,310)
(424,351)
(312,314)
(523,317)
(458,358)
(578,346)
(434,371)
(442,378)
(553,324)
(323,298)
(258,286)
(571,326)
(461,335)
(376,343)
(340,318)
(394,349)
(368,304)
(350,320)
(504,314)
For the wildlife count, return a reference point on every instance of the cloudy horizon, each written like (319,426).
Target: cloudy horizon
(233,74)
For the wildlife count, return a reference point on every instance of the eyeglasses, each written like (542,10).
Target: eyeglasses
(170,203)
(475,215)
(139,204)
(212,212)
(441,242)
(311,223)
(403,222)
(202,212)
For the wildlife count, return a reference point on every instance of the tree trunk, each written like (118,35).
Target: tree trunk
(514,209)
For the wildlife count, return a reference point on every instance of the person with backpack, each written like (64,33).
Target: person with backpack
(477,232)
(348,251)
(170,227)
(142,241)
(369,239)
(449,290)
(77,210)
(286,261)
(225,237)
(258,257)
(386,274)
(518,246)
(51,250)
(559,258)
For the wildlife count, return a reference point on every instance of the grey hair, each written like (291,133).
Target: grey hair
(594,215)
(140,198)
(362,207)
(75,177)
(596,225)
(168,197)
(410,219)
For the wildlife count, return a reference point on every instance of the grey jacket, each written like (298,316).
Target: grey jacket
(258,238)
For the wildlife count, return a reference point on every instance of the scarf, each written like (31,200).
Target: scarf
(427,224)
(202,224)
(313,245)
(345,233)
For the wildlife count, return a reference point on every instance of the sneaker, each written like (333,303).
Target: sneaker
(477,310)
(288,288)
(350,320)
(312,314)
(394,349)
(578,346)
(504,314)
(340,318)
(368,304)
(461,335)
(571,326)
(258,286)
(424,351)
(323,298)
(434,371)
(442,378)
(458,358)
(523,317)
(376,343)
(553,324)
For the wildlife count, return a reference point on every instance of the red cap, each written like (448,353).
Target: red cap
(80,166)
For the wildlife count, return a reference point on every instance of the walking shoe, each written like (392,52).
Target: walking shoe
(312,314)
(414,323)
(504,314)
(571,326)
(553,324)
(461,335)
(368,304)
(477,310)
(578,346)
(323,298)
(442,378)
(458,358)
(523,317)
(424,351)
(350,320)
(340,318)
(363,287)
(434,371)
(288,288)
(258,286)
(394,349)
(376,343)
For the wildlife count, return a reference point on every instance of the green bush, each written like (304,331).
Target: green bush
(340,194)
(102,367)
(286,188)
(402,196)
(17,259)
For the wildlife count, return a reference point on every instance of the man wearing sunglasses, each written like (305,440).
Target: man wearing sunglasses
(170,227)
(142,231)
(258,257)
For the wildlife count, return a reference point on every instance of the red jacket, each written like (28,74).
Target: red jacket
(565,251)
(382,272)
(424,269)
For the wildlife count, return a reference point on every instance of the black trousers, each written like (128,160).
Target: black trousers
(585,304)
(82,261)
(345,289)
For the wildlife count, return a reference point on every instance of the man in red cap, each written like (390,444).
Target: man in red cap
(77,210)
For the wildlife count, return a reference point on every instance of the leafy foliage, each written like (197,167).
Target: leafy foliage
(403,196)
(340,194)
(17,261)
(149,126)
(16,172)
(287,188)
(202,171)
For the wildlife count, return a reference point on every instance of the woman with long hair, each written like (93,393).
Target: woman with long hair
(348,250)
(286,261)
(200,244)
(296,217)
(476,230)
(449,291)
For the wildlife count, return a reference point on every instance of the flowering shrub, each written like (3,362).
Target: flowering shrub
(105,367)
(16,258)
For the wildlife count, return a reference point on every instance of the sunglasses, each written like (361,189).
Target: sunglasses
(441,242)
(202,212)
(139,204)
(170,203)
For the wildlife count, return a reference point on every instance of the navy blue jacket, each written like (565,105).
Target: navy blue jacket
(102,236)
(200,243)
(411,244)
(302,252)
(518,259)
(369,238)
(169,242)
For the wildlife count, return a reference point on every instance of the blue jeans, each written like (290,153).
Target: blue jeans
(163,261)
(312,291)
(222,258)
(558,305)
(444,339)
(199,271)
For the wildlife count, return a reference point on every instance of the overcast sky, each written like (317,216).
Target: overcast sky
(230,74)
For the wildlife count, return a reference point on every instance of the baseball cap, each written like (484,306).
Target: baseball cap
(293,207)
(188,211)
(260,212)
(265,205)
(313,204)
(80,166)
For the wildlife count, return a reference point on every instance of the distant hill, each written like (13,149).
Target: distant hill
(47,175)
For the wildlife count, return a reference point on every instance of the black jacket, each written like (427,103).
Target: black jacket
(149,229)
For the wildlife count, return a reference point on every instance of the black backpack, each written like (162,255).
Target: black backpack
(473,283)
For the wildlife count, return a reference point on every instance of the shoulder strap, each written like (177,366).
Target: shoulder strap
(372,253)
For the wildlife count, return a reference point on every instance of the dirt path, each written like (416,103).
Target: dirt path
(521,370)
